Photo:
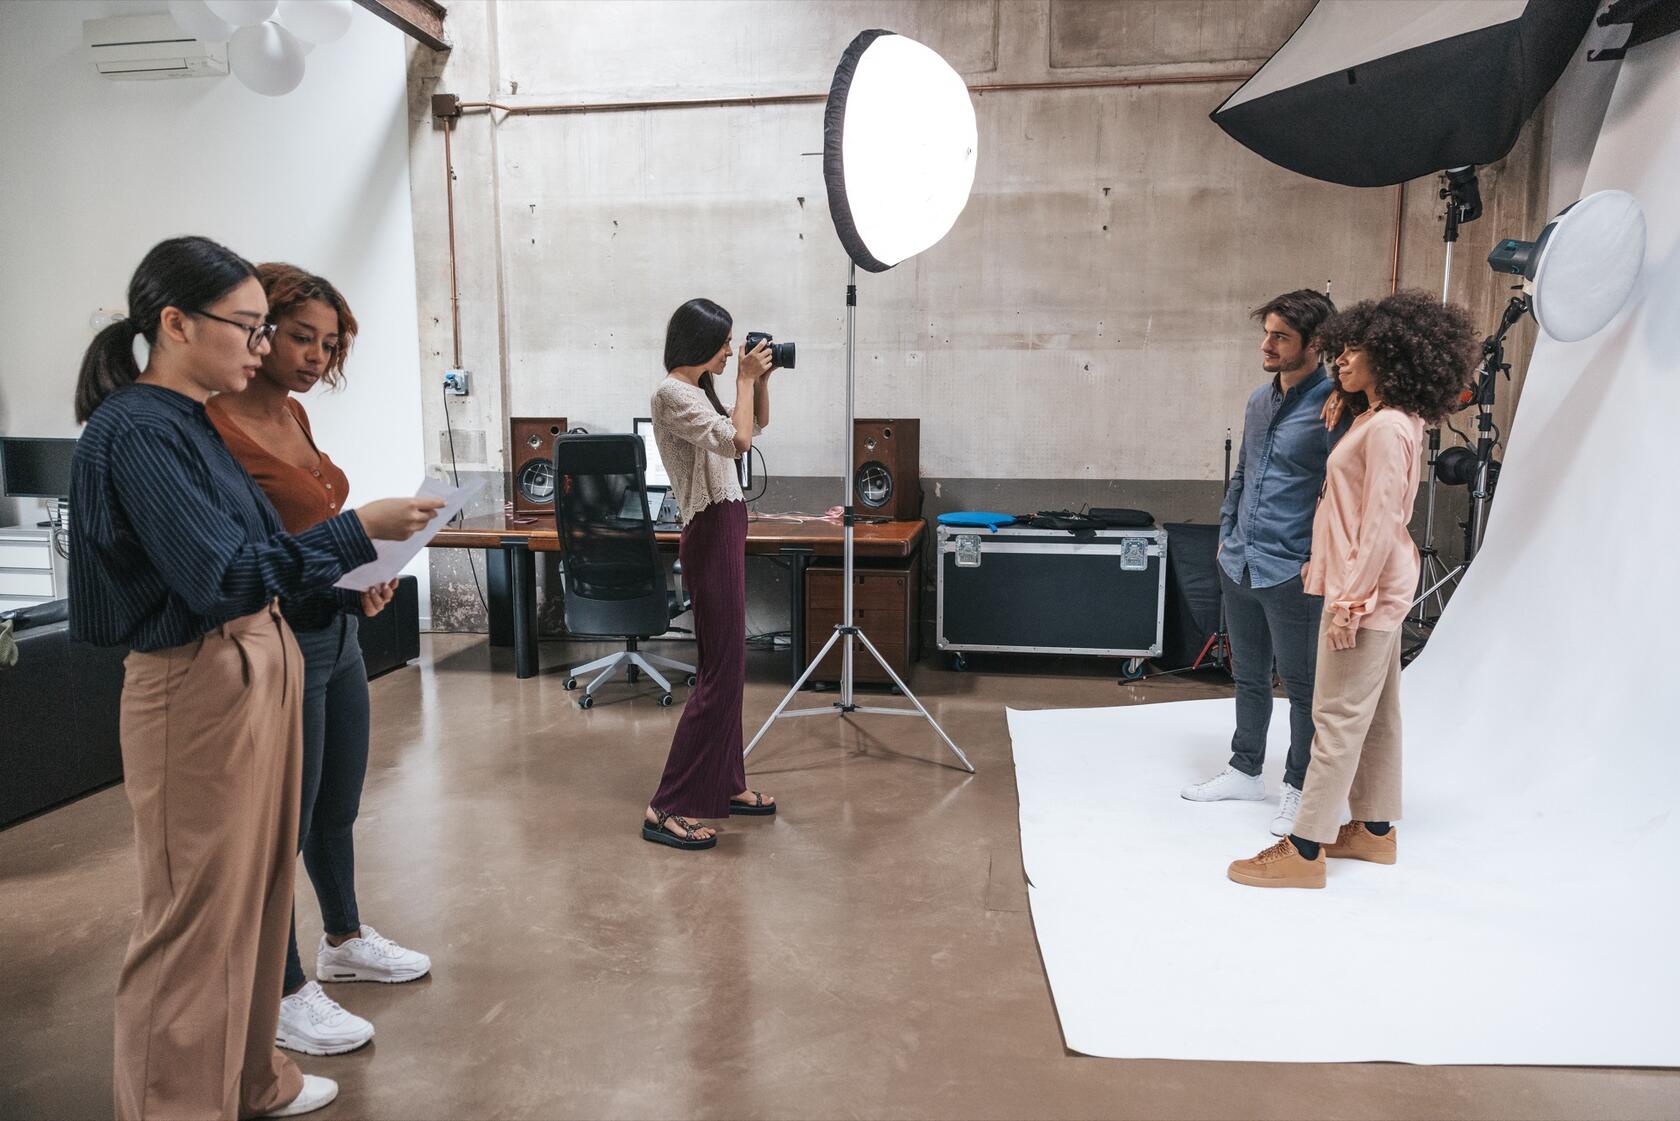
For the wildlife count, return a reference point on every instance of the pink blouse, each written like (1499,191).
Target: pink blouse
(1363,562)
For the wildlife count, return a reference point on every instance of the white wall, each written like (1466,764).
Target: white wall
(97,171)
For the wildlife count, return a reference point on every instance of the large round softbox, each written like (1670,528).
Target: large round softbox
(899,147)
(1370,93)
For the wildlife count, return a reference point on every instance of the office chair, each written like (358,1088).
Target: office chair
(613,578)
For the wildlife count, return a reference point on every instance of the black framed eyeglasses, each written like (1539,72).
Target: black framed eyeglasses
(259,334)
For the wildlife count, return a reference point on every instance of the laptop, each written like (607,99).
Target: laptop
(661,504)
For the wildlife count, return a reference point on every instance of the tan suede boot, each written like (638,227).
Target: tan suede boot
(1280,866)
(1355,842)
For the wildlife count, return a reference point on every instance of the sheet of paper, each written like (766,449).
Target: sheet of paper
(394,555)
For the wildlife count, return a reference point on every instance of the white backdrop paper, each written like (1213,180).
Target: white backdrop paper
(1533,915)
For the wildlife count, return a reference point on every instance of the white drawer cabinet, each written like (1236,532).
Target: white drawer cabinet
(30,570)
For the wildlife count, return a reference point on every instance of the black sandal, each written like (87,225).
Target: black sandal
(758,807)
(662,836)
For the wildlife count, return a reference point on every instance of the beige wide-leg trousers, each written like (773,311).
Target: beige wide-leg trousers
(1356,735)
(212,744)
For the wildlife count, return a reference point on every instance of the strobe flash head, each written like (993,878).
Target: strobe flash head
(1516,257)
(1580,271)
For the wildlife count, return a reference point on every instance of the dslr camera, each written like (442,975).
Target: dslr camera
(781,354)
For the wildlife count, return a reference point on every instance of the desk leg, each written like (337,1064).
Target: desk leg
(797,563)
(524,565)
(499,566)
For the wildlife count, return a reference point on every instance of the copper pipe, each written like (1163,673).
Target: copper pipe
(807,98)
(454,283)
(1394,269)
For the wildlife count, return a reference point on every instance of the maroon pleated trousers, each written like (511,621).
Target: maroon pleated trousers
(705,768)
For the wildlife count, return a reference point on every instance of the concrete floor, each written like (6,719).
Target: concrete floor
(868,953)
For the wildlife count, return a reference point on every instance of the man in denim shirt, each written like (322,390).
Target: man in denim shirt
(1265,535)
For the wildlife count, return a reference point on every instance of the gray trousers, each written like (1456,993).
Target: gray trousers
(1276,625)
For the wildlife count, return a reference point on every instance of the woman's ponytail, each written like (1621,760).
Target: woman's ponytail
(107,366)
(189,273)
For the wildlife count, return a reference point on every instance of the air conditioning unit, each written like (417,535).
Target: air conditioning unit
(150,46)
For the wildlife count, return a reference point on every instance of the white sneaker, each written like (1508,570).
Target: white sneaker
(314,1023)
(369,957)
(1288,806)
(317,1093)
(1227,786)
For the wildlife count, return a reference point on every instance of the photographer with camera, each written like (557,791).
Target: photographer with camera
(699,441)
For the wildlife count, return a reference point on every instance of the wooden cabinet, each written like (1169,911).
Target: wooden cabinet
(887,601)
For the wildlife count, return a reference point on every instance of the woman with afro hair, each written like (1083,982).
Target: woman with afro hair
(1403,362)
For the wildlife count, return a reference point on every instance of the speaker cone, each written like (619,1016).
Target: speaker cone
(874,485)
(536,481)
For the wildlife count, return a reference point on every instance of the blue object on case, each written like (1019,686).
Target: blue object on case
(977,519)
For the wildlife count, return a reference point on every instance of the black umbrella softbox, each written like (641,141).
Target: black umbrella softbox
(1374,92)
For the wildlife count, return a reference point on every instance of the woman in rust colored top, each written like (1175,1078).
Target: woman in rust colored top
(1403,362)
(268,431)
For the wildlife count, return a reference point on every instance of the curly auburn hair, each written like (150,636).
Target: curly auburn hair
(1422,352)
(289,288)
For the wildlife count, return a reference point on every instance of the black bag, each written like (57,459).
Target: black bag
(1122,518)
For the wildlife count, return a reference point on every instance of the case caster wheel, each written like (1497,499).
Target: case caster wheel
(586,701)
(569,684)
(958,663)
(693,680)
(666,700)
(1131,669)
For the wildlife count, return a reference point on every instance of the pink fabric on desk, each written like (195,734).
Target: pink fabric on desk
(1363,562)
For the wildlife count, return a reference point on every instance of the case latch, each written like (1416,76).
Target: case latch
(968,550)
(1134,554)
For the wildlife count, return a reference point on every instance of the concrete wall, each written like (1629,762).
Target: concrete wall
(1081,335)
(97,171)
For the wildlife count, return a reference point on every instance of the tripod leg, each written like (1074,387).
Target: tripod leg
(905,689)
(810,668)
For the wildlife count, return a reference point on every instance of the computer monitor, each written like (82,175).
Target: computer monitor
(656,474)
(34,467)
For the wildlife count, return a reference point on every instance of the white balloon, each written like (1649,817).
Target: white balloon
(267,58)
(315,21)
(242,13)
(199,21)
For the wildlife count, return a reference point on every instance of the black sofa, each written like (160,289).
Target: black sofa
(59,705)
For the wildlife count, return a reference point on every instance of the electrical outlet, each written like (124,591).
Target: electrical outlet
(456,383)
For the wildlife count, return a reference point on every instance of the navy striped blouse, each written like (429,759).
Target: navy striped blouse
(169,537)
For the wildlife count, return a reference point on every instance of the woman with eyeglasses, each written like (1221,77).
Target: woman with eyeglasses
(178,555)
(269,433)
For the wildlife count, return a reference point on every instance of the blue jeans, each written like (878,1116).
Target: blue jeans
(1277,624)
(335,756)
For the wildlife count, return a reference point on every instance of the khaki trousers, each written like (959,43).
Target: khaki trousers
(1356,735)
(212,745)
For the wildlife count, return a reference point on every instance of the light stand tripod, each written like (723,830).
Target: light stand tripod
(1432,571)
(1487,377)
(1217,650)
(845,631)
(1463,196)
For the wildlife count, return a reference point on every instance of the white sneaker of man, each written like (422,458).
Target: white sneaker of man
(1288,806)
(317,1093)
(1229,785)
(370,956)
(314,1023)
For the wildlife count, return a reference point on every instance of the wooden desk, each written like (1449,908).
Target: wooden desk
(510,546)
